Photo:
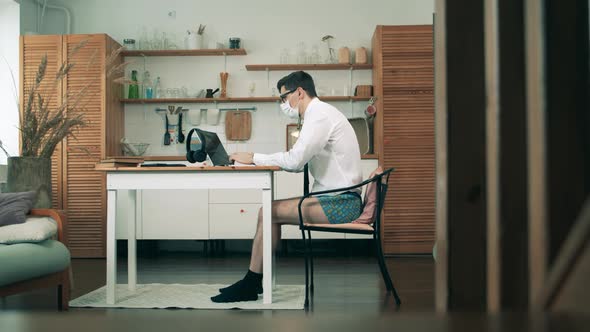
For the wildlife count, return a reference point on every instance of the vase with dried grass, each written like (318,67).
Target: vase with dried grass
(42,127)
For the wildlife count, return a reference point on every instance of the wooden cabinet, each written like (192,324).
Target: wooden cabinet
(175,214)
(233,221)
(403,79)
(76,186)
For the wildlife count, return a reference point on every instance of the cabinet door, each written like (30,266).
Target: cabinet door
(233,221)
(32,49)
(406,70)
(288,185)
(124,213)
(224,196)
(84,188)
(175,214)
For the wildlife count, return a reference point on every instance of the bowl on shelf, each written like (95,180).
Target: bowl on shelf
(361,129)
(134,149)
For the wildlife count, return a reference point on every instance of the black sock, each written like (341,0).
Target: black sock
(251,279)
(246,289)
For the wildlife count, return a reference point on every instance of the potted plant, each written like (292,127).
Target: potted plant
(42,127)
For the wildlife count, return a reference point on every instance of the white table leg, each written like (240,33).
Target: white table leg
(111,245)
(267,251)
(134,211)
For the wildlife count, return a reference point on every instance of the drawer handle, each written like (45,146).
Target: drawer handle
(242,211)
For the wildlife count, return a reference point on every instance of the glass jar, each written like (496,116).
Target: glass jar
(234,43)
(285,56)
(129,44)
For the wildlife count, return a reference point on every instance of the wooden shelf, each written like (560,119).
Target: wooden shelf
(199,100)
(232,100)
(370,156)
(328,66)
(201,52)
(344,98)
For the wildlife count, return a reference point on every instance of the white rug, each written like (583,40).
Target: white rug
(187,296)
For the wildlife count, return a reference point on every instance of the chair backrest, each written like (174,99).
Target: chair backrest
(374,197)
(382,186)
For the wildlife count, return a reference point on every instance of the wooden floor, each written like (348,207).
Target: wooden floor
(349,296)
(342,283)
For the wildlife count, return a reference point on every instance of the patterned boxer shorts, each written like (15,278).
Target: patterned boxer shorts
(342,208)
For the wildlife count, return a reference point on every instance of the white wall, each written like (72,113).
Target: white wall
(9,61)
(265,27)
(36,19)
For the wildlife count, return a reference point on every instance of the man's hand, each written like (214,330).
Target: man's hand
(242,157)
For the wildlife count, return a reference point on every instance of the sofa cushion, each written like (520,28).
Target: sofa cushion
(23,261)
(35,229)
(14,207)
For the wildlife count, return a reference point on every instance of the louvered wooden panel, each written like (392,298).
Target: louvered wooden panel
(84,186)
(32,49)
(77,188)
(405,87)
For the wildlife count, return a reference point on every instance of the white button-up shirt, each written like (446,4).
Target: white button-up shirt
(328,143)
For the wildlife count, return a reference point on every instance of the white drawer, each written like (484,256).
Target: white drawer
(288,185)
(233,221)
(235,196)
(175,214)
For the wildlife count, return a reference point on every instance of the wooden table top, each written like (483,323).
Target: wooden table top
(188,168)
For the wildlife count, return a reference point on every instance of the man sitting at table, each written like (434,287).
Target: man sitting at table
(329,145)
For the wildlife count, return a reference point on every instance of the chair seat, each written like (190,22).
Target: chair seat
(364,228)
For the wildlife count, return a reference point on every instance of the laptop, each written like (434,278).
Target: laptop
(213,147)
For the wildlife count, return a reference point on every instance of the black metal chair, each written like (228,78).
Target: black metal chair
(381,182)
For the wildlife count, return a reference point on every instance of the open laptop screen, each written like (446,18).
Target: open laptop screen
(213,147)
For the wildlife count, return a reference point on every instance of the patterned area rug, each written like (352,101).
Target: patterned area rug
(187,296)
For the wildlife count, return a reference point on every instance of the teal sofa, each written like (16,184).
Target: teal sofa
(28,266)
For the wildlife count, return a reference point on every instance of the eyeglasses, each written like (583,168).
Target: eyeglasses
(284,95)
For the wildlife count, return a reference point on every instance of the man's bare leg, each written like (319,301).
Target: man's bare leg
(283,212)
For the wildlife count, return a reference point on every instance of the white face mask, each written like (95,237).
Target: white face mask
(290,111)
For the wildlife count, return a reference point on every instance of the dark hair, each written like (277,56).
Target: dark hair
(298,79)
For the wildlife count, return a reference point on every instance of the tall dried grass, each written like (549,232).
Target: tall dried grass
(42,127)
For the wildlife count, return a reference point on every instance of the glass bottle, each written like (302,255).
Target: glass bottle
(302,54)
(148,88)
(315,54)
(134,87)
(285,56)
(157,88)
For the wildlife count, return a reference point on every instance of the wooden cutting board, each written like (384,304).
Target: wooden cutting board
(238,125)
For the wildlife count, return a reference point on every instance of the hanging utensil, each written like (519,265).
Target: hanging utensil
(171,109)
(178,109)
(371,109)
(180,134)
(166,134)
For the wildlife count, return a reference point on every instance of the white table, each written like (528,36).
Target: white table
(133,180)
